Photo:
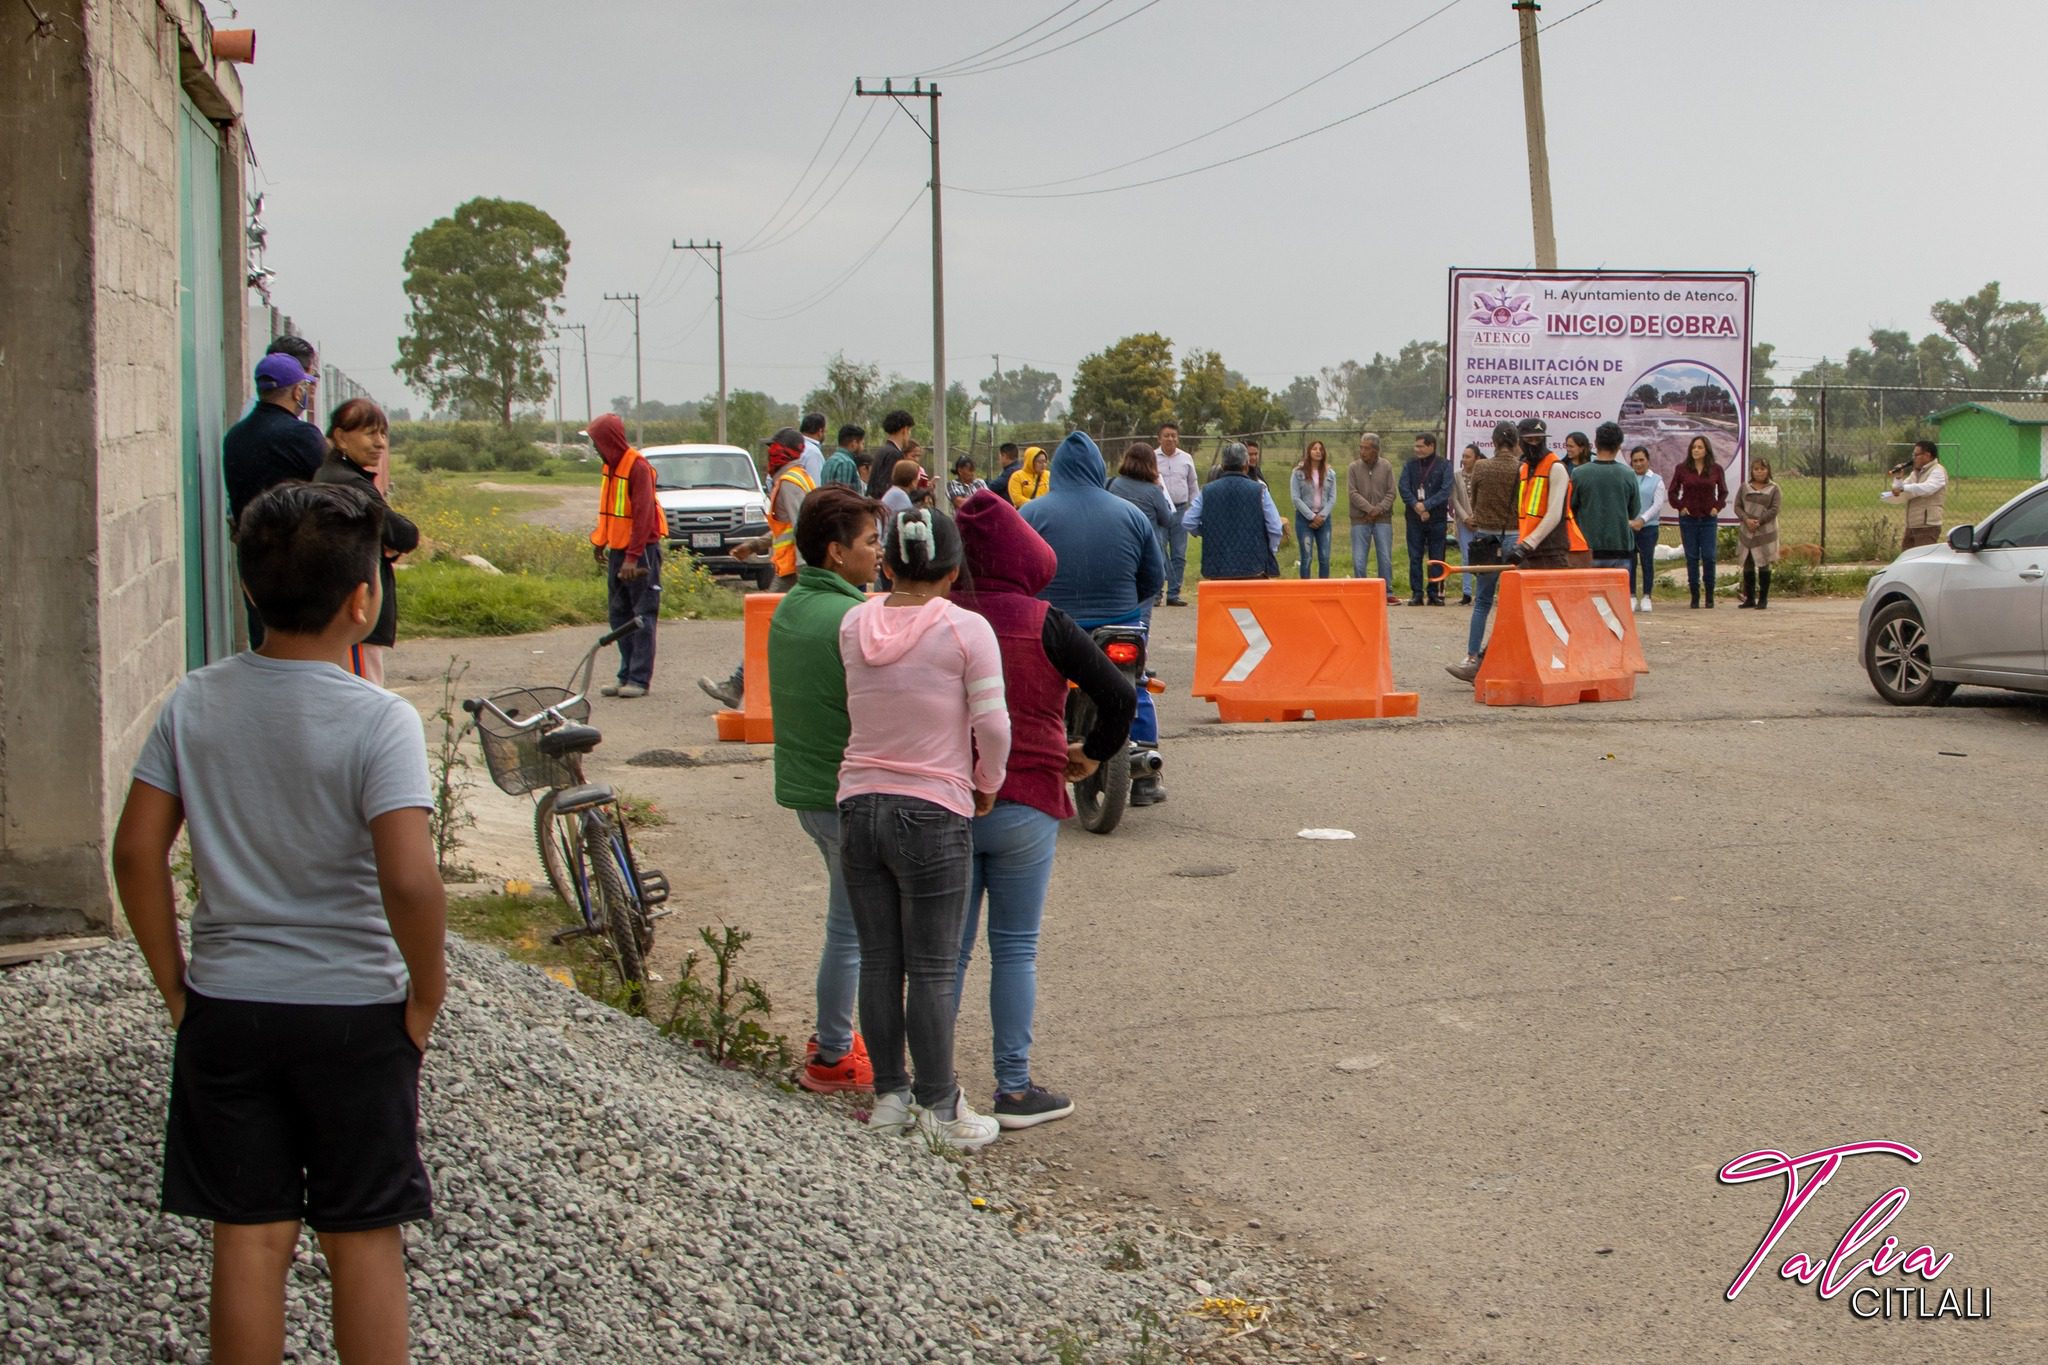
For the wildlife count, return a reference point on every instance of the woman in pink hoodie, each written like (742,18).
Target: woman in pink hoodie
(929,743)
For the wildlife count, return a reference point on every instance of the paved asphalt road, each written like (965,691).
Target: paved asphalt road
(1493,1052)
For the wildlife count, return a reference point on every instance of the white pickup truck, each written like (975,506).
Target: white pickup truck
(712,497)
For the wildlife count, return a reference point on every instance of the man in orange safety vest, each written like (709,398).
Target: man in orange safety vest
(628,540)
(1547,529)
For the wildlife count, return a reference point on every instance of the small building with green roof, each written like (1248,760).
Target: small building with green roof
(1994,440)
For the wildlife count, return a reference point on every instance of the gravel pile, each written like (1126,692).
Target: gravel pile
(600,1193)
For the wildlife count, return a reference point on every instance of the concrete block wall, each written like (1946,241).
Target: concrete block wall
(136,222)
(91,529)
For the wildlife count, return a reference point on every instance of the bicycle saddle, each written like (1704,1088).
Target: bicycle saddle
(570,739)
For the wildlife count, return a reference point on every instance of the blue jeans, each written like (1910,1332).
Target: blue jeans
(1316,538)
(839,963)
(906,861)
(1485,590)
(1176,553)
(1465,557)
(1013,847)
(1367,537)
(1698,535)
(1601,561)
(626,599)
(1425,541)
(1646,557)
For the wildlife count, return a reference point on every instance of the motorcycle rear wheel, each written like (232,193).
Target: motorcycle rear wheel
(1100,798)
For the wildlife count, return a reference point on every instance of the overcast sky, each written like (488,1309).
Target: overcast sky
(1864,157)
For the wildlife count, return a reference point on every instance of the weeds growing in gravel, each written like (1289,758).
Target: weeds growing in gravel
(1153,1344)
(451,814)
(641,812)
(722,1015)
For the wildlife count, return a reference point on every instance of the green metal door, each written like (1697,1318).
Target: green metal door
(209,571)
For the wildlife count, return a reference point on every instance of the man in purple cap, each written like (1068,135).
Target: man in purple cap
(271,445)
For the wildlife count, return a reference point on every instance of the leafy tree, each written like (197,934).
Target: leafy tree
(1125,387)
(1021,395)
(653,410)
(1253,407)
(751,417)
(1762,356)
(483,285)
(1342,389)
(1303,399)
(1646,394)
(1204,381)
(1410,382)
(848,393)
(2007,342)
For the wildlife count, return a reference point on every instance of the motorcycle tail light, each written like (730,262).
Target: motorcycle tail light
(1122,652)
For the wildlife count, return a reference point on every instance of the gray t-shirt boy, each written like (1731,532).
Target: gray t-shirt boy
(281,766)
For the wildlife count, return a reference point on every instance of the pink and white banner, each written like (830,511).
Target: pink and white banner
(1664,353)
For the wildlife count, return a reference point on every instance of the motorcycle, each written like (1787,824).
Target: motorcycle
(1100,797)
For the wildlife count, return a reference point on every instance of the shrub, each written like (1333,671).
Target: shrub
(1873,538)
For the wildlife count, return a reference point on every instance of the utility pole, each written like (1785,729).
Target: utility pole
(930,93)
(639,405)
(717,258)
(582,331)
(1539,148)
(558,398)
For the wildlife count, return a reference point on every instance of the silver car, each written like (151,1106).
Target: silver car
(1974,610)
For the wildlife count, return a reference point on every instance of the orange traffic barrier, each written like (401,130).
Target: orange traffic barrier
(1561,636)
(1280,649)
(755,722)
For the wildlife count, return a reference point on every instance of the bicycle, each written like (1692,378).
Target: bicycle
(534,740)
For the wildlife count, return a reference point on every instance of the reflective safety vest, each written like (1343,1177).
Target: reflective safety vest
(784,532)
(1534,500)
(615,507)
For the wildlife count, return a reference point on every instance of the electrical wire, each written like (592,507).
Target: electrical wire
(961,65)
(682,279)
(827,202)
(755,243)
(1283,142)
(1244,117)
(1005,65)
(972,56)
(806,304)
(677,340)
(840,114)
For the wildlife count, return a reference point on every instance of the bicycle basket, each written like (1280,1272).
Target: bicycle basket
(517,765)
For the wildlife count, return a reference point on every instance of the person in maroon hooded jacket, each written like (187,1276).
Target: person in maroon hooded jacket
(627,541)
(1009,565)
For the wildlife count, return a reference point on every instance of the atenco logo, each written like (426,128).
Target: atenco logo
(1839,1270)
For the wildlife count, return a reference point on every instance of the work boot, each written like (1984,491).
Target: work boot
(732,691)
(1464,672)
(628,691)
(1147,791)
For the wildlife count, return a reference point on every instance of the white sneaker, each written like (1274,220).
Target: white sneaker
(1647,604)
(893,1114)
(966,1130)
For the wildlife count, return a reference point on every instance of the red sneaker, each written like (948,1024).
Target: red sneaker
(852,1072)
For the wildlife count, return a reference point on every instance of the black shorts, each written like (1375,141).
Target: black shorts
(284,1113)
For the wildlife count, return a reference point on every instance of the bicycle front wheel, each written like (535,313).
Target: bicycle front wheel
(617,906)
(556,837)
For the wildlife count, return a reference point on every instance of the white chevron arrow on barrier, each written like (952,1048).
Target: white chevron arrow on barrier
(1256,645)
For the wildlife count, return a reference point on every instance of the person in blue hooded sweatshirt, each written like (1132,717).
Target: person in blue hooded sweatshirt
(1110,564)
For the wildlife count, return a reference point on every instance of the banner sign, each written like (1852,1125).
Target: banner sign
(1664,353)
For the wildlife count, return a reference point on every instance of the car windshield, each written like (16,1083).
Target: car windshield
(715,470)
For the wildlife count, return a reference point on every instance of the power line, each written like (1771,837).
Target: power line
(963,61)
(788,232)
(1241,118)
(806,171)
(1283,142)
(986,68)
(773,229)
(805,305)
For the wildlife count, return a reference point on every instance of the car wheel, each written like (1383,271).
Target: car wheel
(1900,661)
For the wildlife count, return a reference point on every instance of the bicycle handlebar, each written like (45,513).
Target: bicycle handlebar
(613,637)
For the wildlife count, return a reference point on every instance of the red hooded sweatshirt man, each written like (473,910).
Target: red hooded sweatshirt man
(628,539)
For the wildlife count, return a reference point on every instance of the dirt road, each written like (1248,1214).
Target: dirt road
(1493,1052)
